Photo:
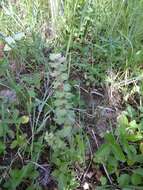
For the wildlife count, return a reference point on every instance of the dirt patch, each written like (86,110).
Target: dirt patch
(101,109)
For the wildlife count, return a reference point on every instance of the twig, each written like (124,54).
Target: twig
(84,175)
(97,93)
(38,165)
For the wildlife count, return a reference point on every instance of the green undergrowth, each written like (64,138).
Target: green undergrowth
(122,152)
(45,140)
(105,35)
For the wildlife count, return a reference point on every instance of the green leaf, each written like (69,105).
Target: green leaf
(103,180)
(141,147)
(134,137)
(118,153)
(136,179)
(103,153)
(124,180)
(126,147)
(131,112)
(116,149)
(31,93)
(14,144)
(17,176)
(65,132)
(2,148)
(112,164)
(138,171)
(123,120)
(133,125)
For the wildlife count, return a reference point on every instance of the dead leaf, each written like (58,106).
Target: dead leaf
(90,174)
(86,186)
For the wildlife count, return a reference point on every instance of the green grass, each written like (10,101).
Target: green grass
(112,32)
(48,124)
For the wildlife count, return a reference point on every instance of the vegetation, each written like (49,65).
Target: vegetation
(71,94)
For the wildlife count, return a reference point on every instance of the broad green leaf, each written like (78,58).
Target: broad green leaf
(136,179)
(116,149)
(124,180)
(131,112)
(103,180)
(112,164)
(138,158)
(103,153)
(118,153)
(125,144)
(138,171)
(130,162)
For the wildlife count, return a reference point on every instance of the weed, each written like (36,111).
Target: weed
(125,147)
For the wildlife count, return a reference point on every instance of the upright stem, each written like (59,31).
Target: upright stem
(54,7)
